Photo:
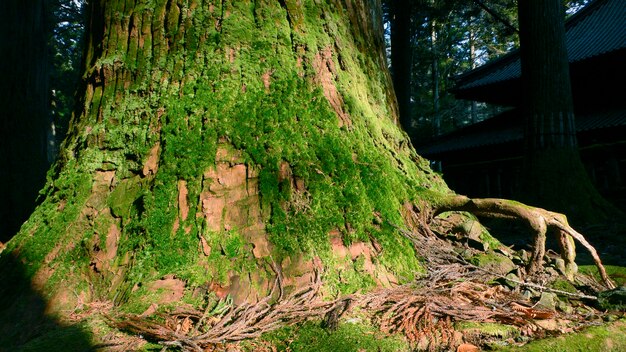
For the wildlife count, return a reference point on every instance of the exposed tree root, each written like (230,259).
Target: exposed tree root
(540,221)
(423,311)
(194,330)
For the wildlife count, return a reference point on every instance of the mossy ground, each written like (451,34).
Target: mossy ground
(606,338)
(349,336)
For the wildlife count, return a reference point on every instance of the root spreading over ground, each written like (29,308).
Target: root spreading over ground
(425,311)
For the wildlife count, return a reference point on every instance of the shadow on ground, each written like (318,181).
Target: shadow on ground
(24,324)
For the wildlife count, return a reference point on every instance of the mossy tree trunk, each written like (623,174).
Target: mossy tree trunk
(554,174)
(222,143)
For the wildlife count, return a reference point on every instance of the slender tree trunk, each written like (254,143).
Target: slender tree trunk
(472,58)
(554,174)
(24,69)
(220,144)
(402,59)
(435,78)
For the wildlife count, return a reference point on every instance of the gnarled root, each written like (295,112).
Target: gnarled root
(539,220)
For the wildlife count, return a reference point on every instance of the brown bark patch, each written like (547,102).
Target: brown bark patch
(206,249)
(230,194)
(359,248)
(152,164)
(219,290)
(284,171)
(325,73)
(170,288)
(103,179)
(52,254)
(226,154)
(113,238)
(260,244)
(103,257)
(466,347)
(298,271)
(337,245)
(267,80)
(241,289)
(230,200)
(232,55)
(212,208)
(183,206)
(176,225)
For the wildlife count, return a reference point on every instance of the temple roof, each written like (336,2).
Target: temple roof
(597,29)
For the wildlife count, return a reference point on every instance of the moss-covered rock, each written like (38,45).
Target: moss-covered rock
(493,262)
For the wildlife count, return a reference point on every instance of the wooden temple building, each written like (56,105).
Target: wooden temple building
(485,159)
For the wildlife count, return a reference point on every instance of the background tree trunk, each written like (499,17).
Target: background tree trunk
(555,177)
(24,100)
(222,143)
(402,59)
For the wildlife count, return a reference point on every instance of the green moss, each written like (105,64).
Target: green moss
(564,285)
(124,195)
(494,262)
(617,273)
(348,337)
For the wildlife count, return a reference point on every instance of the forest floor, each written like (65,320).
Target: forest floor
(462,305)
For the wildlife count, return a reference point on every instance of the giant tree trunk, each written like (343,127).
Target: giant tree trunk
(554,174)
(222,143)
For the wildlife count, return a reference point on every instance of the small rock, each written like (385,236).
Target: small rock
(514,283)
(564,307)
(548,324)
(548,300)
(529,293)
(559,263)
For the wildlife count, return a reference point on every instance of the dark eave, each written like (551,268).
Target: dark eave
(508,128)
